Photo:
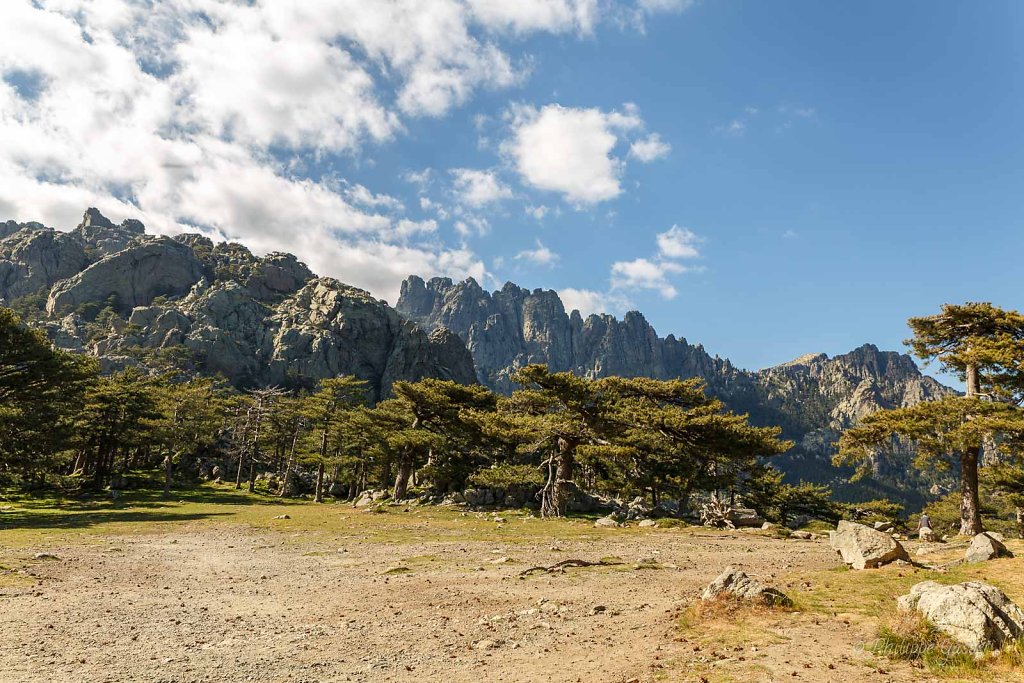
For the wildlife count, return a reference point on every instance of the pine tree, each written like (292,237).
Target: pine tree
(41,390)
(325,410)
(982,344)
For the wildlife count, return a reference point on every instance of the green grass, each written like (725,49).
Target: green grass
(873,592)
(47,520)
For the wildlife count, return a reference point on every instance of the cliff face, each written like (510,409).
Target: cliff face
(187,303)
(513,327)
(812,398)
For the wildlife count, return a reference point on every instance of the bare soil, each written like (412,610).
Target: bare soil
(202,602)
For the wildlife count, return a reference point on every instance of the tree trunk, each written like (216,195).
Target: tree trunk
(318,497)
(252,474)
(168,474)
(970,508)
(972,381)
(1019,514)
(241,463)
(405,467)
(289,465)
(555,497)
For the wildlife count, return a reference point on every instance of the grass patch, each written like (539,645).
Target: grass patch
(908,637)
(726,622)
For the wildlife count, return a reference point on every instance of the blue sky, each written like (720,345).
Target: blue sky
(830,168)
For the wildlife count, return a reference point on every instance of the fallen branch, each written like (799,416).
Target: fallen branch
(559,567)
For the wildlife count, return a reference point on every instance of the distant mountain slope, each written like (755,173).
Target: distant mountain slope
(185,302)
(190,304)
(813,397)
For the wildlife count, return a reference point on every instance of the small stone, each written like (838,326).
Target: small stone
(282,517)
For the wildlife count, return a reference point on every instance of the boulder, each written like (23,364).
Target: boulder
(976,614)
(736,583)
(745,517)
(984,547)
(926,534)
(606,522)
(884,527)
(862,547)
(648,523)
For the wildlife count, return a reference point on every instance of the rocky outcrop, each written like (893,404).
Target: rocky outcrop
(132,277)
(862,547)
(514,327)
(103,238)
(985,547)
(976,614)
(189,304)
(735,583)
(33,258)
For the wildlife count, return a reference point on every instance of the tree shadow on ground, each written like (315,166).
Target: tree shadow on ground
(57,519)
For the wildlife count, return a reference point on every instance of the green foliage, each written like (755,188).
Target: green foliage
(880,510)
(507,477)
(980,342)
(781,503)
(40,391)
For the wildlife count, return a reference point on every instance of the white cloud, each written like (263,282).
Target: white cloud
(642,273)
(678,243)
(208,114)
(570,151)
(537,212)
(588,301)
(523,16)
(541,255)
(477,188)
(469,225)
(674,245)
(650,148)
(734,128)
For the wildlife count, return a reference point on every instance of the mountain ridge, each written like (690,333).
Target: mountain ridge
(812,397)
(186,303)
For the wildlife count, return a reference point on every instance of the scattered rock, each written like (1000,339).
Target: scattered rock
(606,522)
(862,547)
(500,560)
(884,527)
(976,614)
(487,645)
(927,535)
(734,581)
(803,535)
(984,547)
(768,526)
(648,523)
(45,556)
(282,517)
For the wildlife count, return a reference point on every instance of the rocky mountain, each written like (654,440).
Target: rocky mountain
(813,397)
(188,303)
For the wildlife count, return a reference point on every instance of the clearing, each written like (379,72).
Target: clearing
(217,586)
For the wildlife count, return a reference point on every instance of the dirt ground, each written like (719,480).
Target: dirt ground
(418,601)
